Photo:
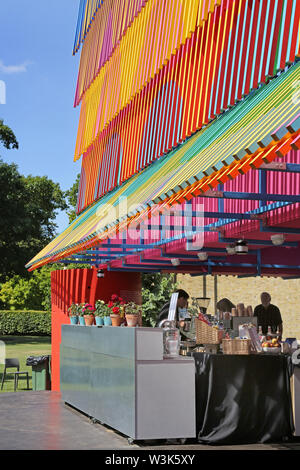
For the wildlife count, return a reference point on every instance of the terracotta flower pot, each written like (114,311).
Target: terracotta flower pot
(115,319)
(89,320)
(132,319)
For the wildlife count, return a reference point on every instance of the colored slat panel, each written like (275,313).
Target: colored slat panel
(132,64)
(269,108)
(188,94)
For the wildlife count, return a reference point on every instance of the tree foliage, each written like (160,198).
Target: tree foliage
(28,208)
(71,196)
(7,137)
(19,293)
(156,291)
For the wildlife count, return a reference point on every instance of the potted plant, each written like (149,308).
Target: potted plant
(133,313)
(74,313)
(88,313)
(81,314)
(116,305)
(102,313)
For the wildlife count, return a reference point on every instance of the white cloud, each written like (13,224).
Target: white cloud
(11,69)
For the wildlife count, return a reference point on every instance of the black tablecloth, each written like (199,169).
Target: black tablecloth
(243,399)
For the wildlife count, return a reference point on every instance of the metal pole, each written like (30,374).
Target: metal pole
(204,286)
(215,291)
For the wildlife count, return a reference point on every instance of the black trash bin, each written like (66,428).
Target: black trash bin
(41,379)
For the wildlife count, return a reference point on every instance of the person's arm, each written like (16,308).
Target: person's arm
(280,324)
(255,314)
(163,314)
(280,329)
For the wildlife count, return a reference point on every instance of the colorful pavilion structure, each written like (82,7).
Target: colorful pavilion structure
(189,135)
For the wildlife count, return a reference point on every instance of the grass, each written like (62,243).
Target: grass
(22,347)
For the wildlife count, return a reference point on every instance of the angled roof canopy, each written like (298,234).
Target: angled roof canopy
(260,128)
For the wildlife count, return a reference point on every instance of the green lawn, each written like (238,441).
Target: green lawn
(21,347)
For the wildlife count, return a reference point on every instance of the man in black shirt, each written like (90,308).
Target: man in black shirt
(268,315)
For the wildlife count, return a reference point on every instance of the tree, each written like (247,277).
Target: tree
(7,137)
(44,199)
(156,291)
(19,293)
(28,208)
(71,196)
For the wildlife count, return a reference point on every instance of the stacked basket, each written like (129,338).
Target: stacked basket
(206,334)
(237,346)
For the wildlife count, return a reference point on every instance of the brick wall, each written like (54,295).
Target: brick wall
(285,294)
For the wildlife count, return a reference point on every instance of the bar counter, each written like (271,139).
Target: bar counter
(118,376)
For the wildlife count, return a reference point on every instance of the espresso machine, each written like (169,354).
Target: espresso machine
(202,303)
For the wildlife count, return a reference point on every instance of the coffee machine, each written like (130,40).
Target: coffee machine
(202,303)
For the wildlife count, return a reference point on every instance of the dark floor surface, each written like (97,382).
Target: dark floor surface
(42,421)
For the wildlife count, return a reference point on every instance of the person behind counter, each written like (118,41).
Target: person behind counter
(181,313)
(268,315)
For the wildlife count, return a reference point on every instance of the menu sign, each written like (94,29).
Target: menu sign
(173,306)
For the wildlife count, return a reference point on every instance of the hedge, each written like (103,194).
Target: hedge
(29,322)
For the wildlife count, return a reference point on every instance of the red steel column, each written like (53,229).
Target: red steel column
(83,285)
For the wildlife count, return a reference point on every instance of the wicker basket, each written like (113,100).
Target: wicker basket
(206,334)
(236,346)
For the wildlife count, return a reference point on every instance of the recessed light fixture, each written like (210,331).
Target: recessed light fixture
(278,239)
(230,249)
(202,255)
(175,261)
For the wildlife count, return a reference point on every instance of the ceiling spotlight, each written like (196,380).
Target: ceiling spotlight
(230,249)
(202,256)
(175,261)
(278,239)
(241,247)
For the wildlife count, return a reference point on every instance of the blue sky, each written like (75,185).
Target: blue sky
(40,72)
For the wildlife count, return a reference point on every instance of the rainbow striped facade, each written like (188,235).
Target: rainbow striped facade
(137,107)
(179,99)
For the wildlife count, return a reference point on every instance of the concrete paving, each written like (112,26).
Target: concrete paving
(41,421)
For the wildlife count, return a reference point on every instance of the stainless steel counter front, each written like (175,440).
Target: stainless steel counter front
(118,376)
